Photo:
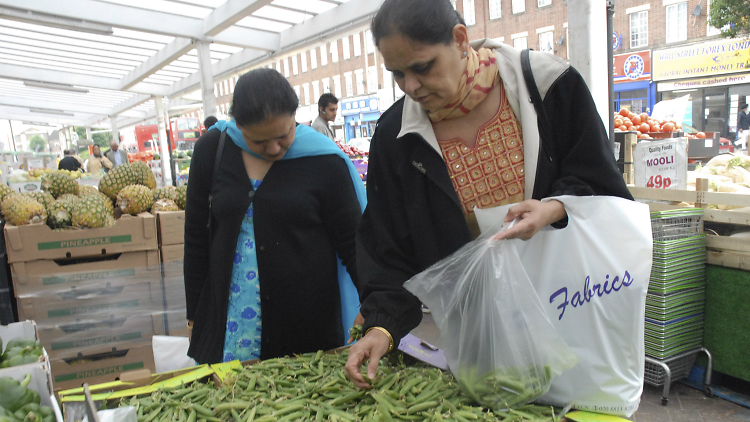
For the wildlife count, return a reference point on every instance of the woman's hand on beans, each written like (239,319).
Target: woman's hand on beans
(369,348)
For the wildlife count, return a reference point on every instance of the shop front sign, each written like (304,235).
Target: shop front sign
(743,78)
(366,105)
(632,67)
(705,59)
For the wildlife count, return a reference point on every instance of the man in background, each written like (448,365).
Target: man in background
(115,155)
(743,124)
(69,161)
(328,106)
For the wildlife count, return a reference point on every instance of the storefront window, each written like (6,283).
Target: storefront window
(635,101)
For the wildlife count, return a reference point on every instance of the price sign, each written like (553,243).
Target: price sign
(661,164)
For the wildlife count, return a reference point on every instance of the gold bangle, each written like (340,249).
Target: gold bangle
(190,325)
(384,331)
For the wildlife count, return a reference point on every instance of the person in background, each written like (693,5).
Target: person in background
(208,122)
(97,161)
(262,279)
(115,155)
(743,124)
(69,161)
(464,136)
(328,106)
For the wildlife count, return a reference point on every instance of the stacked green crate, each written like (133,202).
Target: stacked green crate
(676,292)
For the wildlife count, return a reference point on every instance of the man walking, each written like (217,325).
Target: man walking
(115,155)
(328,106)
(743,124)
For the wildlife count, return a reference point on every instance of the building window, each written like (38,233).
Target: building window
(231,85)
(303,61)
(286,67)
(638,29)
(372,79)
(710,30)
(495,9)
(306,94)
(520,43)
(519,6)
(359,74)
(296,90)
(337,85)
(313,59)
(469,13)
(295,68)
(316,91)
(357,41)
(348,83)
(326,85)
(278,66)
(635,101)
(323,55)
(453,3)
(546,42)
(335,51)
(542,3)
(345,45)
(369,44)
(677,22)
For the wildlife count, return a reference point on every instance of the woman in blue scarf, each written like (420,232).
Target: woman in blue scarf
(270,223)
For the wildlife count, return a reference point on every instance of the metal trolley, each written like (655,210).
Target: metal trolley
(675,300)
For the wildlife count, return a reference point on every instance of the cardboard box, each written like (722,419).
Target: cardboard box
(35,242)
(172,323)
(37,277)
(89,336)
(40,382)
(25,330)
(173,258)
(102,367)
(171,227)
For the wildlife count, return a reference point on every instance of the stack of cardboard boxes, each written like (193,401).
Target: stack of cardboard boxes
(172,251)
(96,295)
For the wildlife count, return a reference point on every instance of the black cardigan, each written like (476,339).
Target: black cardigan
(414,217)
(304,213)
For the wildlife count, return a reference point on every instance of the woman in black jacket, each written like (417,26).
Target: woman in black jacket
(266,217)
(465,136)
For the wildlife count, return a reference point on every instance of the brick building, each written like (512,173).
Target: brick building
(658,32)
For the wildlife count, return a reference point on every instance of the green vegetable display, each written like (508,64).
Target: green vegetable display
(20,404)
(20,352)
(313,387)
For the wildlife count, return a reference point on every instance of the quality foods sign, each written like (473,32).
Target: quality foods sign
(706,59)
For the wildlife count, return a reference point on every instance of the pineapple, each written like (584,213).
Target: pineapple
(90,212)
(164,205)
(114,181)
(135,199)
(25,210)
(181,196)
(144,175)
(8,201)
(58,184)
(167,192)
(42,197)
(60,212)
(87,190)
(5,190)
(69,197)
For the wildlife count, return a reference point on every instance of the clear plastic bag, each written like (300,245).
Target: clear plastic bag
(496,336)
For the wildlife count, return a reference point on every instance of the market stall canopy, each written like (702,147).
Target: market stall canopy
(80,62)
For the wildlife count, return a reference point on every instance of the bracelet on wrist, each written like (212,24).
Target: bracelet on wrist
(384,331)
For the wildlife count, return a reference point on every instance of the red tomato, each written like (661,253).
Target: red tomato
(618,122)
(644,117)
(631,128)
(636,120)
(631,115)
(700,135)
(654,127)
(624,112)
(644,127)
(667,127)
(623,128)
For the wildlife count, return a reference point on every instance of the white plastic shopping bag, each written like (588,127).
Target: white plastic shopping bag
(494,331)
(592,277)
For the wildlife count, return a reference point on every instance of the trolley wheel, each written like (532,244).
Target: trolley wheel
(709,391)
(664,401)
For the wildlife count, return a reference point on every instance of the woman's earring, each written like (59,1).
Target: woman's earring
(465,54)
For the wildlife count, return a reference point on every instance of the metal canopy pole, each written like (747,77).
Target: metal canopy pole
(588,46)
(610,68)
(165,158)
(207,78)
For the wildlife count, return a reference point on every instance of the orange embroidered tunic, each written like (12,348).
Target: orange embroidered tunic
(491,173)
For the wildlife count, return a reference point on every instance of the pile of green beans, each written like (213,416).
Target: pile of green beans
(313,387)
(505,388)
